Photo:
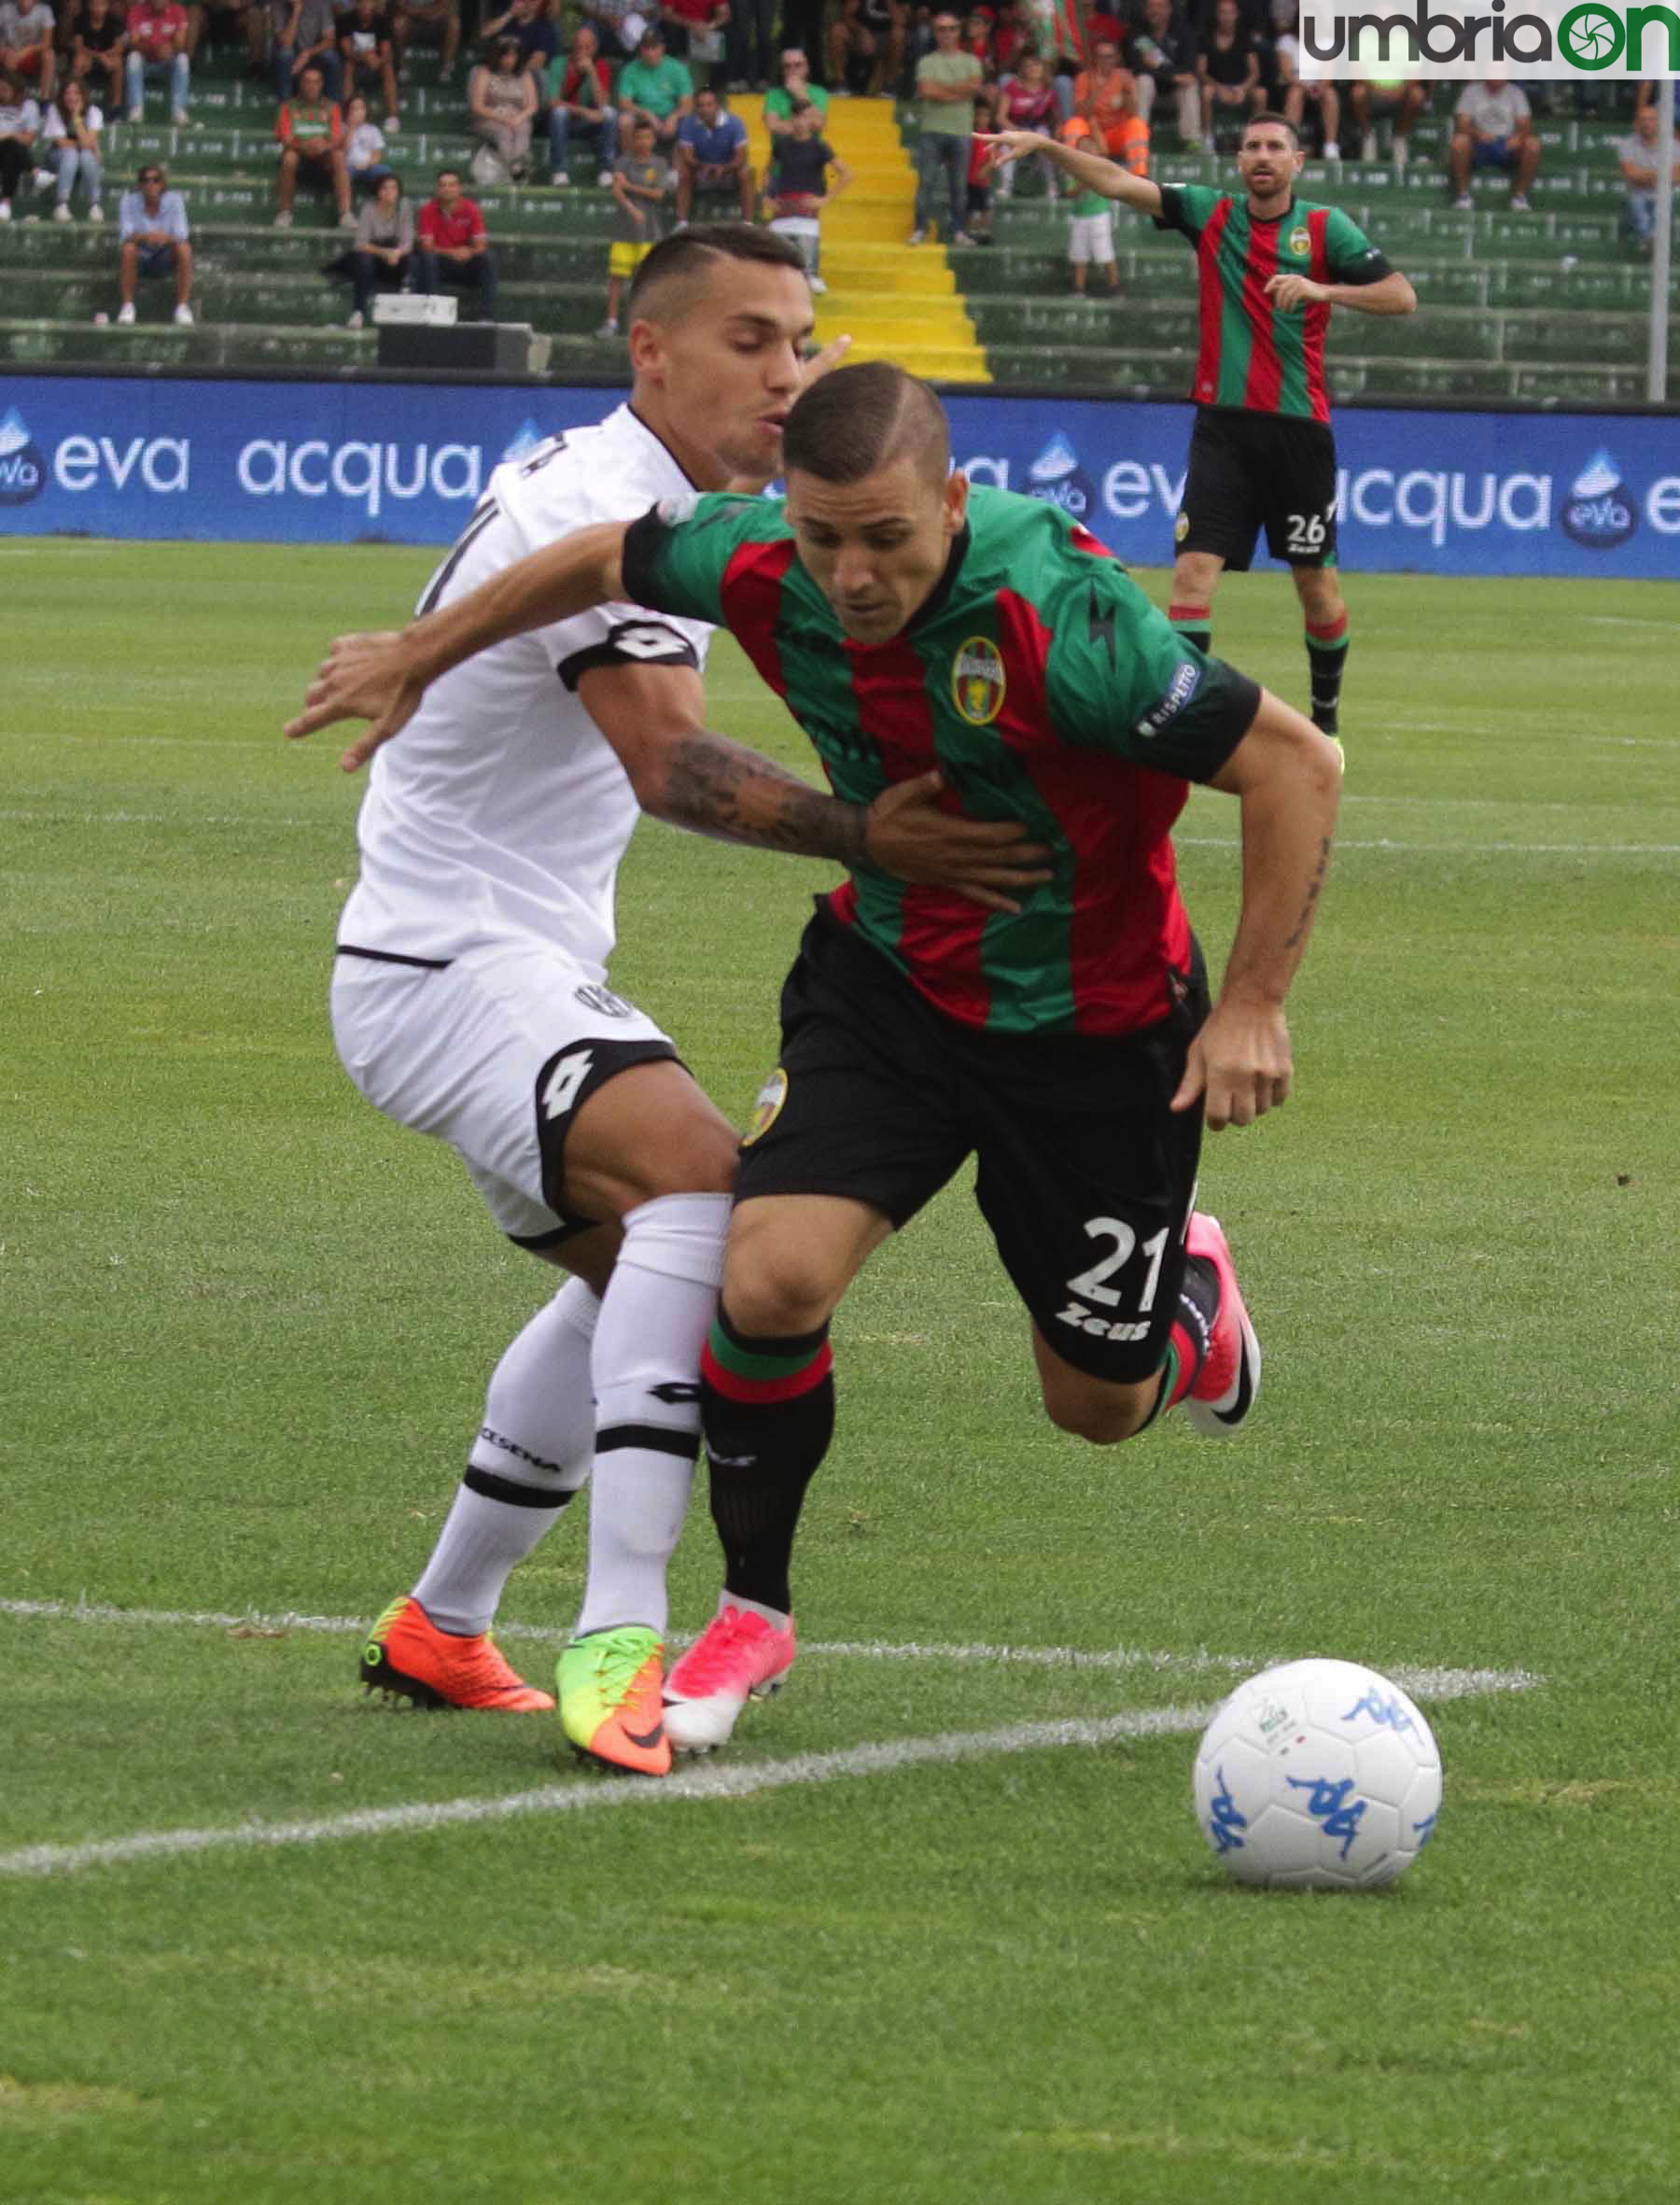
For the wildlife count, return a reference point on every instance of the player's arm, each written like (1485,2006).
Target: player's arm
(1091,169)
(1389,294)
(382,678)
(1287,777)
(685,774)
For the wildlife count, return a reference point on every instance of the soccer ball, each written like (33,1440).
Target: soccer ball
(1318,1775)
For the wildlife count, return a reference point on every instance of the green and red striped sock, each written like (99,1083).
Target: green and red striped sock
(1195,623)
(767,1410)
(1327,659)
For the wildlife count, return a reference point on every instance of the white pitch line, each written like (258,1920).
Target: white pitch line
(1036,1657)
(1466,849)
(586,1795)
(1428,1683)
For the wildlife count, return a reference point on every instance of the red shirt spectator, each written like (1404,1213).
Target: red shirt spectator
(156,28)
(442,228)
(574,77)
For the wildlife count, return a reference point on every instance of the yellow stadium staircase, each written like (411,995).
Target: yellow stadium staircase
(893,302)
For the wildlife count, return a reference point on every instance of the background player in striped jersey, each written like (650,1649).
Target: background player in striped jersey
(909,623)
(1269,268)
(469,998)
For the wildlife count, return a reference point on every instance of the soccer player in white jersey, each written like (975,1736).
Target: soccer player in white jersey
(471,999)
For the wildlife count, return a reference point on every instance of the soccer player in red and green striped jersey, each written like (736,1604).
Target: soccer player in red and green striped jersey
(1067,1042)
(1269,269)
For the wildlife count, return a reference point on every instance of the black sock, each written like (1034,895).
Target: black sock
(1327,659)
(767,1410)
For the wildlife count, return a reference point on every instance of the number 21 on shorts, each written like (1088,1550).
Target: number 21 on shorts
(1092,1285)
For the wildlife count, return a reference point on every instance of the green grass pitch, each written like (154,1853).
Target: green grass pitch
(246,1327)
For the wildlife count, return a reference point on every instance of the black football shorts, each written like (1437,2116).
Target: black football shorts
(1250,472)
(1085,1176)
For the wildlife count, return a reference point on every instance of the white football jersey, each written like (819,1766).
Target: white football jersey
(502,808)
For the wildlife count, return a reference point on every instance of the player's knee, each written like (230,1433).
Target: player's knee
(775,1292)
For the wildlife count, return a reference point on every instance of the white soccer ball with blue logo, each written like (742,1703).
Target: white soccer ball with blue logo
(1321,1775)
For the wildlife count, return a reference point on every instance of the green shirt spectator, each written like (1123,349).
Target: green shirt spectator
(657,82)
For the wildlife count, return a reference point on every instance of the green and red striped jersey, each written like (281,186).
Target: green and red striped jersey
(1044,686)
(1252,354)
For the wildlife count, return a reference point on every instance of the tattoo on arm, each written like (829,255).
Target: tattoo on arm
(715,787)
(1313,888)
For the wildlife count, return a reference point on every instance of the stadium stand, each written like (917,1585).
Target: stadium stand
(1538,306)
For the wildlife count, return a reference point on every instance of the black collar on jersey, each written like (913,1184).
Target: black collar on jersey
(933,603)
(1252,217)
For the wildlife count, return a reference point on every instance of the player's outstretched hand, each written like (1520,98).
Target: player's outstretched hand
(1005,145)
(361,678)
(1239,1063)
(988,862)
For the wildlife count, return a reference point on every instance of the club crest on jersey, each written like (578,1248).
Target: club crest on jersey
(767,1109)
(978,680)
(1300,241)
(1181,528)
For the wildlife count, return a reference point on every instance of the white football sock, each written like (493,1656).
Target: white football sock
(655,1315)
(532,1453)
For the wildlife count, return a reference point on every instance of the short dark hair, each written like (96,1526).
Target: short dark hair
(1271,115)
(855,420)
(673,264)
(447,171)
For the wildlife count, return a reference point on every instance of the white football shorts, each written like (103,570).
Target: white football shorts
(492,1053)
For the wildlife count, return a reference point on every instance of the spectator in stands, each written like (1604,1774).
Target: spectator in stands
(382,255)
(26,32)
(580,96)
(1648,98)
(866,45)
(1161,55)
(979,222)
(1292,92)
(793,84)
(154,239)
(1493,128)
(70,139)
(1027,103)
(617,24)
(1091,221)
(96,53)
(1401,103)
(157,44)
(712,161)
(1639,158)
(799,187)
(426,22)
(530,23)
(303,34)
(977,39)
(1105,95)
(654,88)
(311,131)
(364,149)
(642,182)
(227,15)
(501,100)
(1228,64)
(455,247)
(750,43)
(694,33)
(947,80)
(19,128)
(368,52)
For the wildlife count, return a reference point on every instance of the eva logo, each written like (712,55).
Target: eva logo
(23,467)
(1056,478)
(978,680)
(1599,511)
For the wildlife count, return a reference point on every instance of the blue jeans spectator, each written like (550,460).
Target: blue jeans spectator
(369,275)
(941,154)
(364,180)
(1639,217)
(286,85)
(139,72)
(561,127)
(70,163)
(432,273)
